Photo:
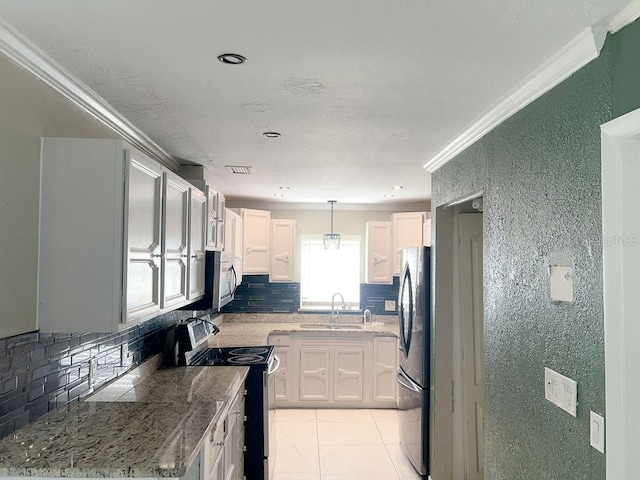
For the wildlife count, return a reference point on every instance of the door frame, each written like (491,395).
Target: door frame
(445,294)
(620,149)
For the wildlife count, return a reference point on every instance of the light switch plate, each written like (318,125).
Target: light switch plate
(561,391)
(596,429)
(561,280)
(389,305)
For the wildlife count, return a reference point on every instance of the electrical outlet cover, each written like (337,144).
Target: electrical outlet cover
(389,305)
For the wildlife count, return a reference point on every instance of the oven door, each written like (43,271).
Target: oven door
(270,413)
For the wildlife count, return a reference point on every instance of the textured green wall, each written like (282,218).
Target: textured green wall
(540,172)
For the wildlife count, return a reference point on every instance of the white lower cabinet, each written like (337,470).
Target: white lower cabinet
(385,365)
(223,455)
(325,369)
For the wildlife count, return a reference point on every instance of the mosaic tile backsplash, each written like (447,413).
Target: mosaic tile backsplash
(39,372)
(256,295)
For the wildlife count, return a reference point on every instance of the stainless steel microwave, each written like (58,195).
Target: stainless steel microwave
(220,281)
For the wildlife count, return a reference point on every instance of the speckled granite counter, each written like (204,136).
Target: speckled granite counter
(254,329)
(139,426)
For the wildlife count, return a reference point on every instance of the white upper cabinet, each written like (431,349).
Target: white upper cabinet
(233,241)
(379,266)
(197,234)
(143,230)
(256,233)
(114,237)
(174,240)
(408,229)
(426,234)
(283,248)
(216,220)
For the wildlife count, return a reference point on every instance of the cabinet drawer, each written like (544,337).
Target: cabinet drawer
(280,339)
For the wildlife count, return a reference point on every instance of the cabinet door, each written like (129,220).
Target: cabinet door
(255,257)
(212,219)
(197,234)
(283,380)
(348,374)
(314,373)
(426,234)
(283,247)
(385,365)
(379,267)
(238,229)
(174,240)
(407,232)
(143,193)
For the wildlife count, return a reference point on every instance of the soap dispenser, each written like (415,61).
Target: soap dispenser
(366,318)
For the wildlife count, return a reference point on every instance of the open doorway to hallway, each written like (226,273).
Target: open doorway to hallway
(458,413)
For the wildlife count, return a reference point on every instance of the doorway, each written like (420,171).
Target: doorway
(621,263)
(458,432)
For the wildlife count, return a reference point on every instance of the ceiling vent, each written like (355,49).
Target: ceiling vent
(238,169)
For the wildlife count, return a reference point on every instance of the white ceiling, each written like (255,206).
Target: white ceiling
(363,91)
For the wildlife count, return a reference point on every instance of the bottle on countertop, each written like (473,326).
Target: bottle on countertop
(366,319)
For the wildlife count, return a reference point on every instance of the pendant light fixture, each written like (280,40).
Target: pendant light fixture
(331,241)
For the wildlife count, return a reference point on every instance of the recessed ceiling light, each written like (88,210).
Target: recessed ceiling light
(388,195)
(397,187)
(272,134)
(232,58)
(285,188)
(278,194)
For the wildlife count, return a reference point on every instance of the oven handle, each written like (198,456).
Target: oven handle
(274,364)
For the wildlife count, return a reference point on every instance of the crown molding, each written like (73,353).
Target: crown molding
(27,55)
(627,15)
(573,56)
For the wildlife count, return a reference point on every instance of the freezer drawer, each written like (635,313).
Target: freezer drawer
(413,417)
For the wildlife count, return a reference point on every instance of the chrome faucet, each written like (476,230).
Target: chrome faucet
(334,309)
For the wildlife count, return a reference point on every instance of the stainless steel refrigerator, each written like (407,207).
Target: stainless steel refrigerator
(414,363)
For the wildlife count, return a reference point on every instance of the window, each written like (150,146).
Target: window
(325,272)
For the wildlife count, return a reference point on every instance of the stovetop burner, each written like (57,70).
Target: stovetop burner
(248,351)
(244,359)
(234,356)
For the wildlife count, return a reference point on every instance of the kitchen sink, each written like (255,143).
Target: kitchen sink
(328,326)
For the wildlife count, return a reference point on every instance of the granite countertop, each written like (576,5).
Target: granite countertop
(139,426)
(254,329)
(150,422)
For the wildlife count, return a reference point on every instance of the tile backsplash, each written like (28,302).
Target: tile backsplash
(42,371)
(256,295)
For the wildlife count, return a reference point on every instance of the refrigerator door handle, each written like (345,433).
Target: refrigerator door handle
(407,383)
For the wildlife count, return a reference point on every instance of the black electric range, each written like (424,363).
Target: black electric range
(192,349)
(230,356)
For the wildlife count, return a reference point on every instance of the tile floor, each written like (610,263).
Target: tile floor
(328,444)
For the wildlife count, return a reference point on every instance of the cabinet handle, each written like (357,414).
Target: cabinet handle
(237,412)
(244,419)
(156,255)
(244,448)
(220,444)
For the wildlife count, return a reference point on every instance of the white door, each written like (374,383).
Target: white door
(314,373)
(212,219)
(174,240)
(282,382)
(283,245)
(257,228)
(197,235)
(348,381)
(407,232)
(385,365)
(143,191)
(379,267)
(472,327)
